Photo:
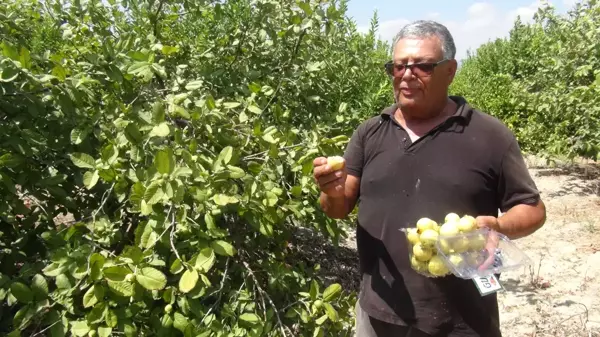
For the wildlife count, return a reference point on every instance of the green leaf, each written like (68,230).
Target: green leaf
(223,200)
(249,317)
(205,259)
(231,105)
(193,85)
(83,160)
(223,248)
(188,280)
(314,289)
(116,273)
(39,286)
(78,135)
(93,295)
(225,155)
(21,292)
(254,109)
(104,331)
(79,328)
(90,179)
(153,193)
(151,278)
(164,161)
(331,312)
(331,292)
(121,288)
(161,130)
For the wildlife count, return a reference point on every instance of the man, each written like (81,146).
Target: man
(426,156)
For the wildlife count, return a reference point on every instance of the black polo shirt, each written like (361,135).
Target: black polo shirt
(470,164)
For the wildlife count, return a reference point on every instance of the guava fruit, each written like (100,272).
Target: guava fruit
(425,223)
(456,260)
(412,235)
(452,217)
(437,267)
(460,245)
(467,223)
(418,265)
(477,242)
(422,253)
(336,162)
(449,229)
(428,238)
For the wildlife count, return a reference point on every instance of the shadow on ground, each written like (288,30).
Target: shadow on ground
(584,179)
(338,264)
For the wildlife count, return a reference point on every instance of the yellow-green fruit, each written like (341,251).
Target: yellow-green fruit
(424,224)
(92,333)
(455,260)
(428,238)
(318,304)
(437,267)
(168,308)
(130,277)
(422,253)
(449,229)
(467,223)
(335,162)
(477,242)
(418,265)
(460,245)
(413,236)
(445,246)
(452,217)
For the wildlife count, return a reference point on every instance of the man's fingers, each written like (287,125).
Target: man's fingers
(336,183)
(326,179)
(319,161)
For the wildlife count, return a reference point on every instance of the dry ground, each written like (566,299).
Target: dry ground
(558,295)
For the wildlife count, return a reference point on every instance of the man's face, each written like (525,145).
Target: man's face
(418,89)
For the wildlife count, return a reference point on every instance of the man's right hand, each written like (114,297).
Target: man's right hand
(332,183)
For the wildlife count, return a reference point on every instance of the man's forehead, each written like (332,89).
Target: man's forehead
(415,47)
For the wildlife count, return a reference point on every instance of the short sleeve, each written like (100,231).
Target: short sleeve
(515,186)
(355,154)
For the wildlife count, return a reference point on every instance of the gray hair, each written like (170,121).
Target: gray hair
(426,28)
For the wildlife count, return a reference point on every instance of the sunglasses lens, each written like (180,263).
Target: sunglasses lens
(424,68)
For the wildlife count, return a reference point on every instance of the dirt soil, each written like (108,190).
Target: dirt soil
(557,295)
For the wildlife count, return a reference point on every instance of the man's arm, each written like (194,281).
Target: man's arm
(522,220)
(519,198)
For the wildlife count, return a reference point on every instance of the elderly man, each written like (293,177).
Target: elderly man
(427,155)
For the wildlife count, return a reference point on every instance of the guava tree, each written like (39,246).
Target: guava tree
(178,137)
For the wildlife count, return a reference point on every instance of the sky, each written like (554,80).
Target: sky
(471,23)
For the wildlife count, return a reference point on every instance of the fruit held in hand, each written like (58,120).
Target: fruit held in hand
(425,223)
(336,162)
(422,253)
(413,236)
(428,238)
(437,267)
(452,217)
(467,223)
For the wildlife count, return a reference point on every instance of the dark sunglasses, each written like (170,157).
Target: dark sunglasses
(419,69)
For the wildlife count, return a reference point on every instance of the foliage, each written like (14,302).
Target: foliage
(180,136)
(543,81)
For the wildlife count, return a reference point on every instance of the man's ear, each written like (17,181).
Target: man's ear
(452,68)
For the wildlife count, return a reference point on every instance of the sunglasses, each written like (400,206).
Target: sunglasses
(419,69)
